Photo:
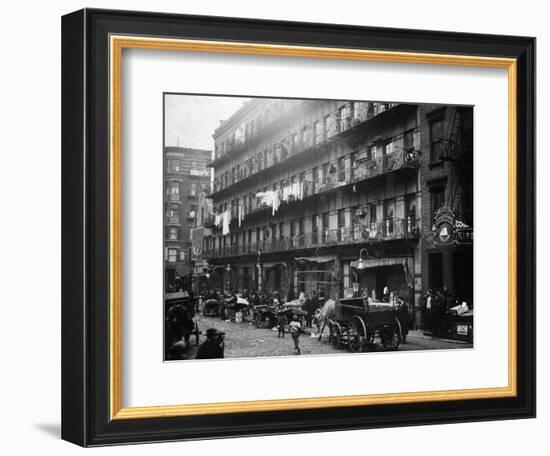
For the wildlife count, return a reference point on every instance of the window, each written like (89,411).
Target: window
(326,124)
(345,117)
(174,165)
(314,179)
(174,188)
(408,140)
(341,223)
(410,212)
(293,228)
(281,230)
(314,224)
(387,147)
(437,200)
(193,189)
(436,140)
(301,226)
(194,165)
(172,255)
(314,230)
(371,152)
(182,256)
(341,218)
(317,133)
(173,234)
(372,212)
(388,215)
(341,120)
(341,170)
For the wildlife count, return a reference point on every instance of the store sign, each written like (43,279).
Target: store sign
(448,231)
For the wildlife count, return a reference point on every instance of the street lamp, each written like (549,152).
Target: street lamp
(228,282)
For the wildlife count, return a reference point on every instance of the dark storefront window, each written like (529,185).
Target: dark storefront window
(435,271)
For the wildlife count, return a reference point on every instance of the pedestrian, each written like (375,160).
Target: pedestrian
(386,294)
(213,346)
(282,321)
(436,314)
(305,302)
(314,302)
(295,331)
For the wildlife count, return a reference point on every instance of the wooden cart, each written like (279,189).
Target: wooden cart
(359,321)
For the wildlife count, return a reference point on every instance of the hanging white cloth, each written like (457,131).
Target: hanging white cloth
(218,218)
(270,199)
(276,203)
(226,221)
(240,215)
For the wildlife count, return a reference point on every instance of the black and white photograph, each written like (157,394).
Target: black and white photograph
(316,226)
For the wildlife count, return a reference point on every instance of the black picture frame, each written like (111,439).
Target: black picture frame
(85,227)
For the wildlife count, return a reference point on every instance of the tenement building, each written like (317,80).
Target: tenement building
(324,196)
(186,177)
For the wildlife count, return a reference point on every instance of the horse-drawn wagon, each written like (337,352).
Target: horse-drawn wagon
(358,321)
(180,318)
(211,308)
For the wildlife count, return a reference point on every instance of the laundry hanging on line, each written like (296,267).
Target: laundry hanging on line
(226,220)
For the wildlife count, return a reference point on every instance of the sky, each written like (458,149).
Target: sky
(191,119)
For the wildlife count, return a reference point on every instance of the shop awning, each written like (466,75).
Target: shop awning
(272,264)
(381,262)
(317,259)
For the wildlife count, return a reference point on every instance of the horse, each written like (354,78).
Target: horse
(327,312)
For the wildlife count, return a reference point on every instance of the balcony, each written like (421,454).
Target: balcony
(249,138)
(340,178)
(173,221)
(209,221)
(174,198)
(280,152)
(391,229)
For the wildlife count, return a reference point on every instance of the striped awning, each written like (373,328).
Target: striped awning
(317,259)
(381,262)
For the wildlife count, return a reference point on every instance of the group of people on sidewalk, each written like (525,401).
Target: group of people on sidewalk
(437,307)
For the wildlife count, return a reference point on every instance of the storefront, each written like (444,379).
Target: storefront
(319,274)
(449,256)
(373,275)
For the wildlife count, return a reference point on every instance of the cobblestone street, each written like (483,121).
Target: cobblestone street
(244,340)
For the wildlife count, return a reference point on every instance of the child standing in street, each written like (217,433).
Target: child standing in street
(281,324)
(295,331)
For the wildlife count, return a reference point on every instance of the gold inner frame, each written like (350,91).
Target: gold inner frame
(117,44)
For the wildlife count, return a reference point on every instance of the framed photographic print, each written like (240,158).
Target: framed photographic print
(279,227)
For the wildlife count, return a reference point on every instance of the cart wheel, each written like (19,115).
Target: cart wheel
(336,335)
(357,334)
(392,337)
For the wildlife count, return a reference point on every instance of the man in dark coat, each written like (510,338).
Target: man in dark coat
(213,346)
